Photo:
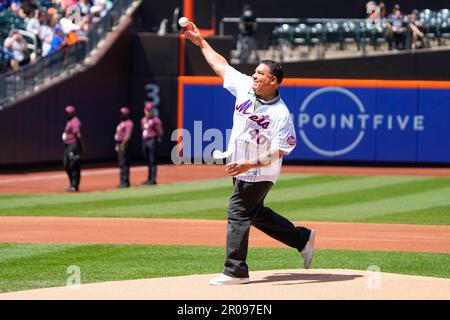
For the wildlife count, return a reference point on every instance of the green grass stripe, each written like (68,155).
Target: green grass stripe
(431,215)
(361,211)
(298,197)
(27,266)
(149,193)
(151,202)
(115,194)
(207,204)
(21,197)
(365,195)
(338,187)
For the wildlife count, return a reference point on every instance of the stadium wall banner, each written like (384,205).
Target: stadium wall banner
(336,119)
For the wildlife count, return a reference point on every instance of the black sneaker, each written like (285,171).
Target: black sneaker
(123,185)
(148,183)
(72,189)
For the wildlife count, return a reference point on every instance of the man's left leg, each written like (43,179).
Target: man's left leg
(283,230)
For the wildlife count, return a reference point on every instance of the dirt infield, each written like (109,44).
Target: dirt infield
(265,285)
(355,236)
(104,179)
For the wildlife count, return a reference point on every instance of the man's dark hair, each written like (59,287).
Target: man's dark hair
(275,69)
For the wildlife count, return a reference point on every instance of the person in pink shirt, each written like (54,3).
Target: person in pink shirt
(152,132)
(73,148)
(122,138)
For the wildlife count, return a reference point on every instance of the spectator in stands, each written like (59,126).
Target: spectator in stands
(52,12)
(246,44)
(104,6)
(15,45)
(371,10)
(416,30)
(95,15)
(85,6)
(373,17)
(46,35)
(67,3)
(382,10)
(396,30)
(72,28)
(33,22)
(4,4)
(58,40)
(68,23)
(28,6)
(14,5)
(5,60)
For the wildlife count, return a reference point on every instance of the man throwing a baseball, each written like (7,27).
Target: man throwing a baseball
(261,122)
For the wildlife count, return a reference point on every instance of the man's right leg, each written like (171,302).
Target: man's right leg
(145,151)
(124,168)
(66,164)
(152,160)
(244,203)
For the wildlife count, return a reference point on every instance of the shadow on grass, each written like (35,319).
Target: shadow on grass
(306,278)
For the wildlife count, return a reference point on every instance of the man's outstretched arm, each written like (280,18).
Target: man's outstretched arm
(215,60)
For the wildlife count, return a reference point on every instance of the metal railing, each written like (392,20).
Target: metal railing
(27,79)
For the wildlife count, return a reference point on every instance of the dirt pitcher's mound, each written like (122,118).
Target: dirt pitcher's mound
(265,285)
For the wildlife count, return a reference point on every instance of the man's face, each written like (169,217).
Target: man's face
(70,115)
(263,79)
(149,113)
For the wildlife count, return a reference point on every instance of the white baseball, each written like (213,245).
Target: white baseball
(183,22)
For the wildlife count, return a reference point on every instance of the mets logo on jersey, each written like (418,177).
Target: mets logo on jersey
(291,140)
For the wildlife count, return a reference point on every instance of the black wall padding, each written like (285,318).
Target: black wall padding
(429,65)
(196,63)
(155,55)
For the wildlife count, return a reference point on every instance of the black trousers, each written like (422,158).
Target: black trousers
(124,160)
(246,208)
(72,163)
(150,148)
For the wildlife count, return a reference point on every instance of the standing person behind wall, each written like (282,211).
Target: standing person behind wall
(247,47)
(152,132)
(122,137)
(73,148)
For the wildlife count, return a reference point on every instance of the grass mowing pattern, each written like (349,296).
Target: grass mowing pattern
(28,266)
(381,199)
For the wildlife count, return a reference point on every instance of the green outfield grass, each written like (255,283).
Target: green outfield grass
(27,266)
(382,199)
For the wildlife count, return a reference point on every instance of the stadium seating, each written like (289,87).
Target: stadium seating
(362,33)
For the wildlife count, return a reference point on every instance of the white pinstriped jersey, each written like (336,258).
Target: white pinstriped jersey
(255,131)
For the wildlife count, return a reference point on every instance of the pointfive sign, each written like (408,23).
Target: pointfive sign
(315,116)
